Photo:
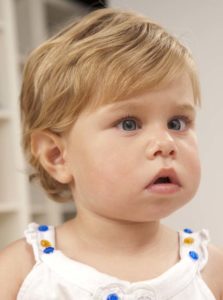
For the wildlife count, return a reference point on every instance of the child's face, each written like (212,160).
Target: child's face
(113,161)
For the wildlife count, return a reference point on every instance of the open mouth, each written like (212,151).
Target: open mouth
(162,180)
(165,177)
(165,182)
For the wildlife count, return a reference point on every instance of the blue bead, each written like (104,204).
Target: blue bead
(113,297)
(188,230)
(194,255)
(43,228)
(48,250)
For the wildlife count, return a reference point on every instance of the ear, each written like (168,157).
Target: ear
(50,149)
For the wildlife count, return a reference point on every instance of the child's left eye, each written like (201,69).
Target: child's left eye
(179,123)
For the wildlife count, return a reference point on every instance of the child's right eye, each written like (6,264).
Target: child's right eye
(128,123)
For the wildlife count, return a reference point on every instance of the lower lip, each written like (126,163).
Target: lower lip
(164,188)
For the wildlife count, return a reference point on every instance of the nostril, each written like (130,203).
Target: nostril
(172,152)
(165,151)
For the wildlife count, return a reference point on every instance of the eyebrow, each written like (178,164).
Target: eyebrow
(186,107)
(135,105)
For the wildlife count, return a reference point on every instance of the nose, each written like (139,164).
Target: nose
(162,146)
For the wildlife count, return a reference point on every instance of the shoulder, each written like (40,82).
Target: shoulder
(216,261)
(213,272)
(16,261)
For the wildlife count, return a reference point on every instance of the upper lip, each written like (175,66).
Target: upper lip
(170,173)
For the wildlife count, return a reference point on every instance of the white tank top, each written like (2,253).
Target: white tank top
(57,277)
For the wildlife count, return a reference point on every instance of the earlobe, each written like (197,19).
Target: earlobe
(50,149)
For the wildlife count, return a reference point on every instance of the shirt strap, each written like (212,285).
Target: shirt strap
(41,238)
(195,245)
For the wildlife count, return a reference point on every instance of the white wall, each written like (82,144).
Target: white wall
(199,25)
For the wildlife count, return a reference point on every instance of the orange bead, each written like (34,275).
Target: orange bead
(45,243)
(188,240)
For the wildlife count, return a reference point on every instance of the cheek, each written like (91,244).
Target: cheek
(108,174)
(194,155)
(191,162)
(111,158)
(195,169)
(100,183)
(96,167)
(111,168)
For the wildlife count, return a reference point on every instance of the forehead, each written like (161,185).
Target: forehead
(178,93)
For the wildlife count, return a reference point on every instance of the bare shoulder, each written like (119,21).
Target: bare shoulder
(213,272)
(16,261)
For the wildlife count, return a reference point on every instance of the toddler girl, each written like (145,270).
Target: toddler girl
(108,111)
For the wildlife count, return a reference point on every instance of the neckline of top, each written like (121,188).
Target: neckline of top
(90,279)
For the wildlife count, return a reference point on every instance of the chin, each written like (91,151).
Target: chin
(162,211)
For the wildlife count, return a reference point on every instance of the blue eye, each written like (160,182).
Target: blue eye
(179,123)
(128,123)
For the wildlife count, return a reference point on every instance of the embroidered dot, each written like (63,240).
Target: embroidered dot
(188,230)
(48,250)
(45,243)
(188,240)
(113,297)
(194,255)
(43,228)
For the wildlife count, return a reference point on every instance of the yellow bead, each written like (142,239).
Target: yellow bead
(45,243)
(188,240)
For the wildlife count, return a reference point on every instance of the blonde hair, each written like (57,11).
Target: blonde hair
(105,57)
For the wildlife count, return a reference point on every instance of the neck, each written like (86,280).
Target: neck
(114,236)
